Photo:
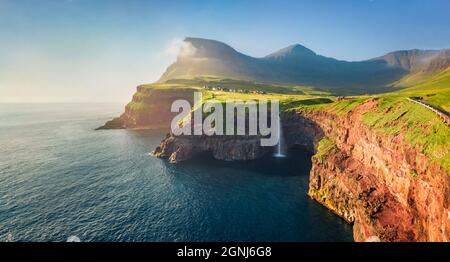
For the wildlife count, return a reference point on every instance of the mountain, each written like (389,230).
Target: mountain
(210,57)
(418,60)
(298,65)
(291,53)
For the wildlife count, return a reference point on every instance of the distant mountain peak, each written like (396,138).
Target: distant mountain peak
(295,50)
(210,48)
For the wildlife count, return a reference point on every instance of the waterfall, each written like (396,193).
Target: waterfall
(280,147)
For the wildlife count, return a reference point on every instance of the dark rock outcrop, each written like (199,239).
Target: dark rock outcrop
(180,148)
(116,123)
(297,131)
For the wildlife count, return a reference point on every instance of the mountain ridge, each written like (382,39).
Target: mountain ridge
(418,60)
(299,65)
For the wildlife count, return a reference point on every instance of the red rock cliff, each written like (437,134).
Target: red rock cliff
(382,184)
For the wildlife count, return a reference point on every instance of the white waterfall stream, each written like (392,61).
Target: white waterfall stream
(280,147)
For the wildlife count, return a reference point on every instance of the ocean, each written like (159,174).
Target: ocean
(60,178)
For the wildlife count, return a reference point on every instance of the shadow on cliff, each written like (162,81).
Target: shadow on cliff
(296,163)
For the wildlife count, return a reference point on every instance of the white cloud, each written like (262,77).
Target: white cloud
(180,48)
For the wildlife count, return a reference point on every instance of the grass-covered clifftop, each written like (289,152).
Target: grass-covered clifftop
(394,115)
(422,128)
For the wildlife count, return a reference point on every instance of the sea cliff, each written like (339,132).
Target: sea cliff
(382,184)
(150,108)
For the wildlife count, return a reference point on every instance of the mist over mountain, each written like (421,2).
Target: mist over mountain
(299,65)
(418,60)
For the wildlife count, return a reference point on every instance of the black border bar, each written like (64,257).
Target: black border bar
(150,251)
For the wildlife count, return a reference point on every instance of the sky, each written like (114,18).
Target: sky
(100,50)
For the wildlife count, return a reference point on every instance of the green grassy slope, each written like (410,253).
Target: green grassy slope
(395,115)
(215,81)
(433,87)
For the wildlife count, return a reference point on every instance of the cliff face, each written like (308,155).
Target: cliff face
(297,131)
(150,108)
(180,148)
(383,185)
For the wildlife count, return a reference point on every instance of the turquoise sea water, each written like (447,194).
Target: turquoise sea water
(60,178)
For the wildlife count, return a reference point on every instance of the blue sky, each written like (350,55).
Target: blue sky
(98,50)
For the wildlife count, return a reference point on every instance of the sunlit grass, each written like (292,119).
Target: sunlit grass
(393,114)
(434,88)
(325,145)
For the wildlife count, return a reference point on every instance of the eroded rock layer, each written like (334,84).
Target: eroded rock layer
(381,183)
